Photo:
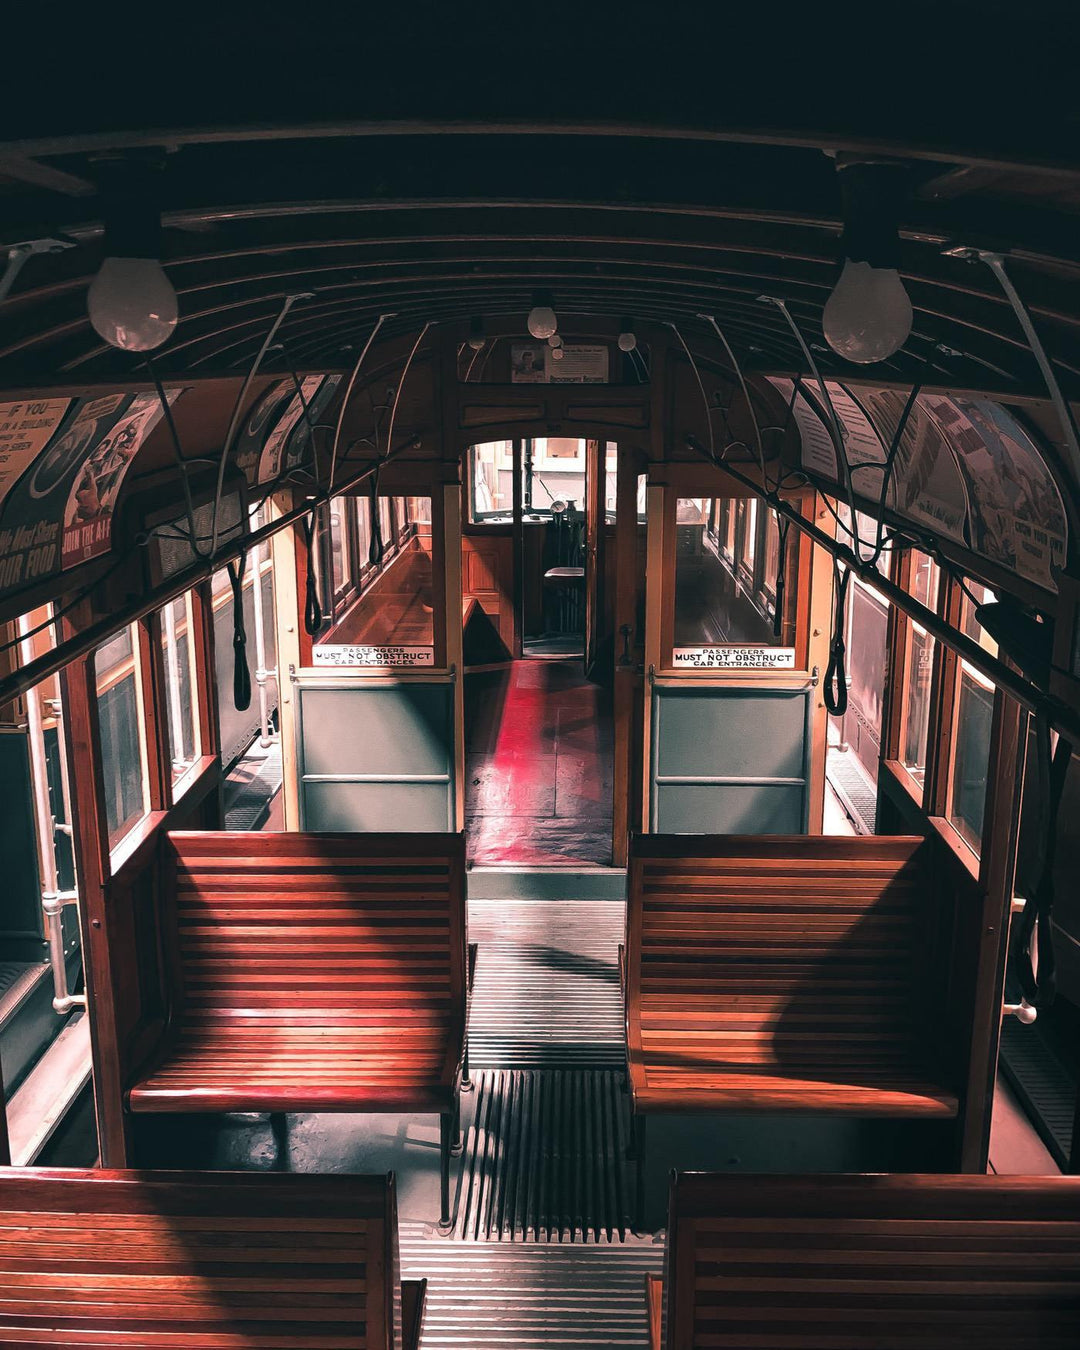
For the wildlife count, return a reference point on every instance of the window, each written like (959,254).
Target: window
(181,704)
(972,720)
(386,523)
(340,558)
(716,602)
(491,483)
(124,775)
(362,509)
(918,669)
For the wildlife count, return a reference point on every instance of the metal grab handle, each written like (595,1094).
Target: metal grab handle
(1022,1011)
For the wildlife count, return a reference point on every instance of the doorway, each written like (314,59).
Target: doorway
(538,726)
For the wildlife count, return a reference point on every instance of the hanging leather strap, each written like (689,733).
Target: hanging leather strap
(835,689)
(782,526)
(241,673)
(377,547)
(313,614)
(1039,988)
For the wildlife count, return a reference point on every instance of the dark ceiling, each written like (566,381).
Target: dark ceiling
(661,161)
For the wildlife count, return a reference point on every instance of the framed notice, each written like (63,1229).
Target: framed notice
(577,363)
(353,654)
(734,658)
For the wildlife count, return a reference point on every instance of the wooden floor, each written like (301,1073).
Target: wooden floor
(538,766)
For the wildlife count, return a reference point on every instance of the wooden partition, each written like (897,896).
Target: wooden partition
(871,1262)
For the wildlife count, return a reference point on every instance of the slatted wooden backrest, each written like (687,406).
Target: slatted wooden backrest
(810,942)
(874,1262)
(325,921)
(141,1259)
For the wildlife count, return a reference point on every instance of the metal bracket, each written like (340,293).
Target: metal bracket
(815,677)
(19,254)
(1022,1011)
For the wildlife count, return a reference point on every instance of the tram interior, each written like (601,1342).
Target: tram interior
(539,757)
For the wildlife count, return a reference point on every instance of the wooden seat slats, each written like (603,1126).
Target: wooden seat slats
(779,973)
(200,1260)
(870,1263)
(316,972)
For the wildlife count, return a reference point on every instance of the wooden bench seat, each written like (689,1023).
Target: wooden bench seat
(781,973)
(189,1259)
(312,972)
(870,1263)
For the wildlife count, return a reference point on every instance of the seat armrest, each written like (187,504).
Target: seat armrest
(622,967)
(654,1307)
(472,965)
(413,1302)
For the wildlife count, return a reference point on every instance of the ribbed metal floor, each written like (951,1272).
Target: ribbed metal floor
(855,790)
(544,1158)
(547,984)
(524,1296)
(1045,1086)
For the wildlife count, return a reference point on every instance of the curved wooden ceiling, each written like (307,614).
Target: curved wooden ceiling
(656,165)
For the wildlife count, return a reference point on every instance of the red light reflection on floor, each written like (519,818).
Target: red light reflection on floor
(538,766)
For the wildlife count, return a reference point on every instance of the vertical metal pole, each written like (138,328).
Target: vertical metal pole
(52,898)
(261,672)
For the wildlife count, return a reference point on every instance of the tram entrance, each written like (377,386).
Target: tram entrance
(538,724)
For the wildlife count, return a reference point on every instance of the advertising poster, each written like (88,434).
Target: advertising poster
(32,514)
(26,427)
(580,363)
(926,485)
(1016,515)
(298,446)
(92,498)
(527,362)
(256,427)
(817,453)
(272,461)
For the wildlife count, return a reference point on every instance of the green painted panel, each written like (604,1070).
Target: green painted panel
(375,757)
(730,761)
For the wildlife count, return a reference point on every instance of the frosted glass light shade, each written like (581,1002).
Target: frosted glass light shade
(542,321)
(868,317)
(627,341)
(132,304)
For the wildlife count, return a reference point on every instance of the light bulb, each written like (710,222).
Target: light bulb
(542,321)
(132,304)
(476,333)
(556,353)
(554,340)
(868,316)
(627,340)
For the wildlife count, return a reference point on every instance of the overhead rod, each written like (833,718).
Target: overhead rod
(19,681)
(1028,695)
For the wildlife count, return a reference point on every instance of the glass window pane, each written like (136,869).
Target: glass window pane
(386,523)
(362,508)
(553,470)
(971,754)
(340,563)
(396,605)
(181,711)
(123,753)
(714,604)
(491,483)
(918,669)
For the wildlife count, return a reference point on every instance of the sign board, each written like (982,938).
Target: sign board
(349,654)
(26,427)
(58,510)
(734,658)
(580,363)
(92,499)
